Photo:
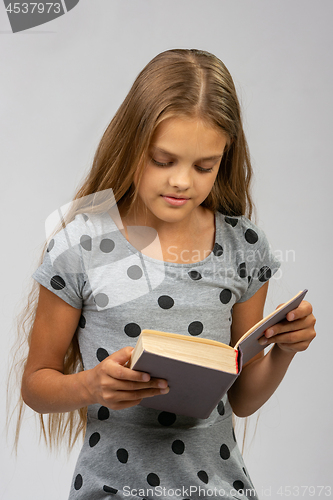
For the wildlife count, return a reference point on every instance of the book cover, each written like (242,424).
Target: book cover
(194,390)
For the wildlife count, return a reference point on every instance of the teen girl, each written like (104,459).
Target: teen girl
(176,160)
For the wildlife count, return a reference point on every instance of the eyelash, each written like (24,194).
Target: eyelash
(200,169)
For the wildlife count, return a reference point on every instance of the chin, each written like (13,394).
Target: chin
(170,217)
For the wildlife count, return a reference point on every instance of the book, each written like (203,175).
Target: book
(199,371)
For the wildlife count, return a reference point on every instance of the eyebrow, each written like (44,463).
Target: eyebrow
(163,151)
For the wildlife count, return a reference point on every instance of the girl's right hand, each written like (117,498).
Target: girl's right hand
(45,387)
(112,384)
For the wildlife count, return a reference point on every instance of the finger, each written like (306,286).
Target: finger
(133,385)
(116,362)
(121,405)
(304,309)
(289,326)
(122,356)
(122,373)
(122,396)
(303,335)
(125,404)
(282,327)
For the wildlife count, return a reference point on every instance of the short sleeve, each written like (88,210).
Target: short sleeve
(62,270)
(259,263)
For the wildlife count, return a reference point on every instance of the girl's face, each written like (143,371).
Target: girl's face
(183,162)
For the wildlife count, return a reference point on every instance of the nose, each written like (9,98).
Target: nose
(180,177)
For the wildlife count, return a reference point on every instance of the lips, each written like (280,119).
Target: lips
(175,196)
(175,200)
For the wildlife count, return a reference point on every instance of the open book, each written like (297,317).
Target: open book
(199,371)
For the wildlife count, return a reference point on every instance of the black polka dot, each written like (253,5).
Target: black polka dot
(165,302)
(195,275)
(106,245)
(251,236)
(244,471)
(57,282)
(122,455)
(242,270)
(82,321)
(103,413)
(101,354)
(195,328)
(238,485)
(108,489)
(217,250)
(94,438)
(220,408)
(78,482)
(224,452)
(233,434)
(134,272)
(203,476)
(178,447)
(264,274)
(50,245)
(225,296)
(86,242)
(132,330)
(101,299)
(153,479)
(85,217)
(166,418)
(249,280)
(231,221)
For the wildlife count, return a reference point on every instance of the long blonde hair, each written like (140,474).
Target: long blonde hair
(178,82)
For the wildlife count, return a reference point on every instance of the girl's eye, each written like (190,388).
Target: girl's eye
(160,164)
(166,164)
(200,169)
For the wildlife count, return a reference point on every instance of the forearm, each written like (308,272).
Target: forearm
(110,383)
(50,391)
(258,381)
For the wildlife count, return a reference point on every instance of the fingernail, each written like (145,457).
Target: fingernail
(145,377)
(164,391)
(269,333)
(163,384)
(263,341)
(291,317)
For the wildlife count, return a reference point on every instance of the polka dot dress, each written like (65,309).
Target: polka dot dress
(140,452)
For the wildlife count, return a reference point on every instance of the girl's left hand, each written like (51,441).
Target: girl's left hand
(295,333)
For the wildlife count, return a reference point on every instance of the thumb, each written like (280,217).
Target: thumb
(122,356)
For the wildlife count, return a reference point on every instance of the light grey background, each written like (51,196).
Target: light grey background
(60,85)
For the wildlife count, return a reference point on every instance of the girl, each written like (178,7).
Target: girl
(178,253)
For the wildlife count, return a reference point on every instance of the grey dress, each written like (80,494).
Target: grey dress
(140,452)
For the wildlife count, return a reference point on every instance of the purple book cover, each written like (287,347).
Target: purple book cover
(194,390)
